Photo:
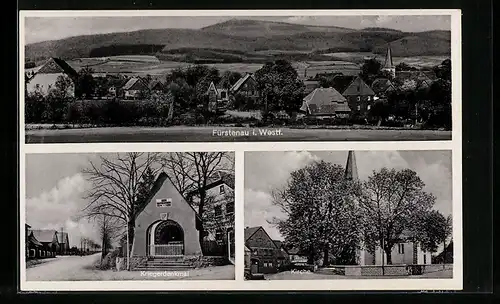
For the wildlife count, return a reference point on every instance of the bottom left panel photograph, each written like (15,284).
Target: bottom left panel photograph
(128,216)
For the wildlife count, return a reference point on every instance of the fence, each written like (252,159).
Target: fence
(167,250)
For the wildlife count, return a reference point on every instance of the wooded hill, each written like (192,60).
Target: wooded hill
(245,39)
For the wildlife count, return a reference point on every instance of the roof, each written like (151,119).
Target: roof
(34,241)
(155,83)
(220,177)
(44,236)
(358,88)
(134,82)
(160,180)
(249,231)
(380,85)
(324,101)
(418,76)
(241,81)
(212,87)
(55,66)
(341,82)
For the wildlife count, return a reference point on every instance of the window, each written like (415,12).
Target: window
(221,189)
(401,248)
(425,259)
(229,208)
(223,94)
(219,235)
(368,107)
(369,98)
(359,98)
(359,108)
(218,211)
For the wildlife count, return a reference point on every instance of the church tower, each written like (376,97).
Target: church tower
(351,170)
(388,64)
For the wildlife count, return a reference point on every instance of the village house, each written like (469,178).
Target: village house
(218,97)
(382,87)
(44,79)
(246,86)
(49,241)
(264,253)
(325,102)
(33,247)
(134,88)
(283,256)
(359,95)
(156,86)
(63,241)
(115,87)
(406,252)
(414,80)
(219,211)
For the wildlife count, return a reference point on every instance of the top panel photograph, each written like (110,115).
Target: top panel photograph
(233,78)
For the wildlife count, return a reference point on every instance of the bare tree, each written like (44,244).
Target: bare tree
(109,229)
(116,186)
(191,172)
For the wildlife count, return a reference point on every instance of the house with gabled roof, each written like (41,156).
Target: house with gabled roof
(44,79)
(264,253)
(218,97)
(382,87)
(48,239)
(134,87)
(246,86)
(359,95)
(325,102)
(219,207)
(414,80)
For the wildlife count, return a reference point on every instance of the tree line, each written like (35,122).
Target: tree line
(330,217)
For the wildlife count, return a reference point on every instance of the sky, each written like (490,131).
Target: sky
(52,28)
(55,187)
(267,171)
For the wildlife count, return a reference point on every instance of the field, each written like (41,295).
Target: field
(417,61)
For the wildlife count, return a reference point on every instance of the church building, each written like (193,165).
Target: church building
(402,253)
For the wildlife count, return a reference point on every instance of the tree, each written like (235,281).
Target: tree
(191,172)
(63,87)
(280,87)
(370,70)
(443,71)
(390,203)
(320,216)
(117,185)
(380,111)
(229,78)
(109,229)
(432,229)
(85,83)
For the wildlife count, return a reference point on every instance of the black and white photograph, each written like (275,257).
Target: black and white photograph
(227,78)
(337,215)
(129,216)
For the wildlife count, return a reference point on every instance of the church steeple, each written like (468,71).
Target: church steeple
(388,64)
(351,170)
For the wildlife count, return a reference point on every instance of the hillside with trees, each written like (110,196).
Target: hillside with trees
(243,36)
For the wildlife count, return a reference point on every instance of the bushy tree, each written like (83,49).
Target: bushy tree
(85,83)
(280,87)
(229,78)
(320,216)
(390,203)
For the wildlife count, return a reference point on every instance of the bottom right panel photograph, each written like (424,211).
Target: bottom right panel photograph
(326,215)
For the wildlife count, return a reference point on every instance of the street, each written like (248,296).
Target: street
(78,268)
(213,134)
(287,275)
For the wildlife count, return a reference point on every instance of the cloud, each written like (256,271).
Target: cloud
(259,211)
(60,207)
(278,165)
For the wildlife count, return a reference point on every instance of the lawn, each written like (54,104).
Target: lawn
(288,275)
